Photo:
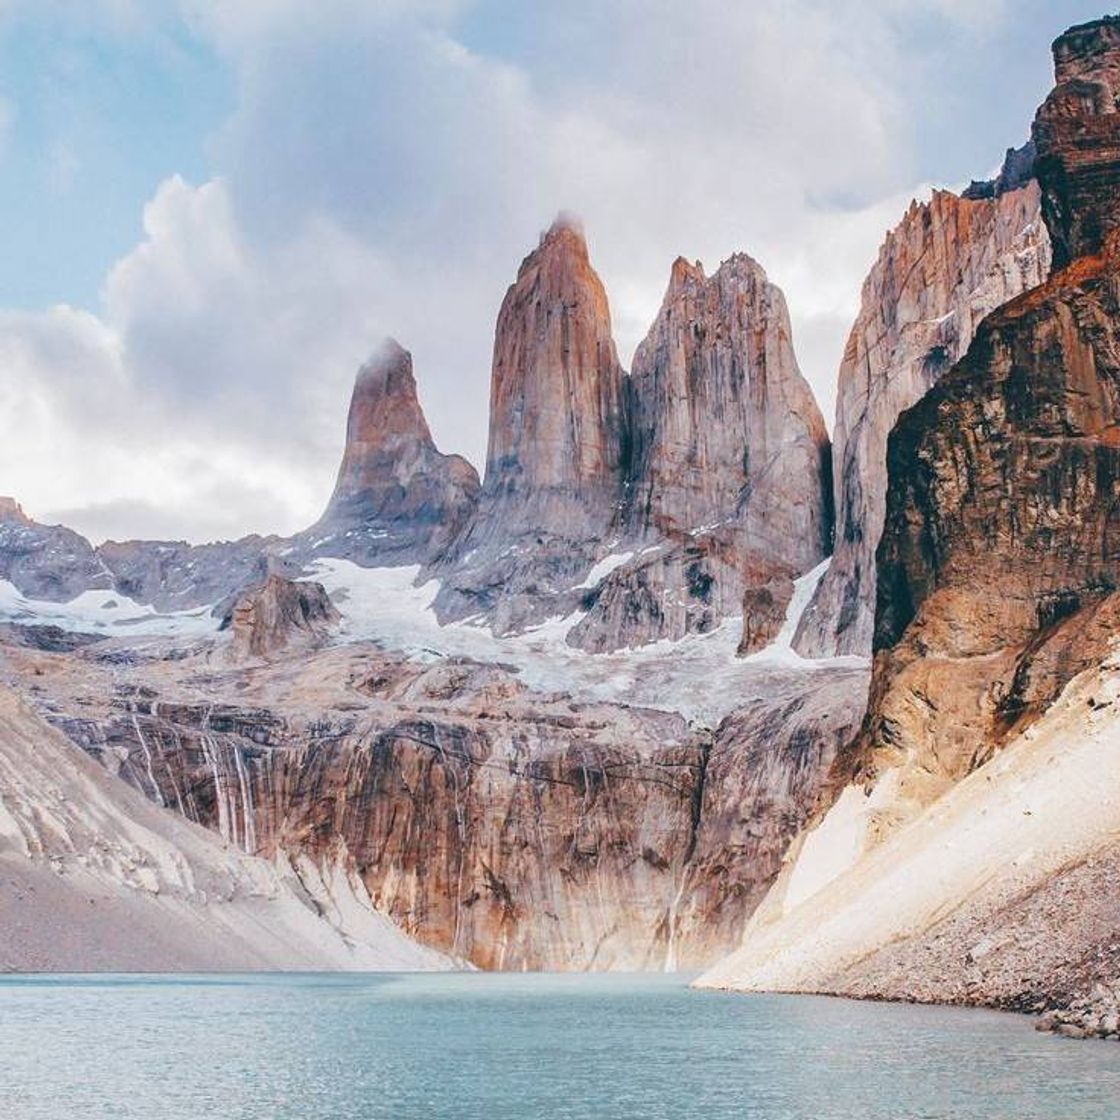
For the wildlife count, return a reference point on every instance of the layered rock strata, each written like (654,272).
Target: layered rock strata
(948,264)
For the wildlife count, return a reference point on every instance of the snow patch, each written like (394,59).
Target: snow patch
(698,676)
(102,612)
(603,569)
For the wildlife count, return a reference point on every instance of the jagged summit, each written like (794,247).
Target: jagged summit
(727,485)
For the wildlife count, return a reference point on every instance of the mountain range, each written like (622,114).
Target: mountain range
(678,682)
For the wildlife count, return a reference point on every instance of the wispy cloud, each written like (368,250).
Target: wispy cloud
(384,170)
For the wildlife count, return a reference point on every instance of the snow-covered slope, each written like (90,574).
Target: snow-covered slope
(93,876)
(698,676)
(102,612)
(1049,802)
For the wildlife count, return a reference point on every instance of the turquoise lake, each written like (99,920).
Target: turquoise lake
(518,1047)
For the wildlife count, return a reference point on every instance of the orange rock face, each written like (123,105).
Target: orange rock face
(728,486)
(947,264)
(556,391)
(555,462)
(397,498)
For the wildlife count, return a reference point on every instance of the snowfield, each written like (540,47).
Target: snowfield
(103,612)
(698,676)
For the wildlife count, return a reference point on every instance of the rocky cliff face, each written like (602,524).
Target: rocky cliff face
(728,486)
(397,498)
(95,877)
(946,265)
(978,811)
(1000,554)
(516,828)
(558,443)
(724,427)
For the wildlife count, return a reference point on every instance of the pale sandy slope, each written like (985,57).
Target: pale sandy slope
(95,877)
(1006,890)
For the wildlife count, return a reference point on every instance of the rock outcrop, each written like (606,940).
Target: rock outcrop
(47,561)
(948,263)
(557,448)
(1078,140)
(728,489)
(397,499)
(279,614)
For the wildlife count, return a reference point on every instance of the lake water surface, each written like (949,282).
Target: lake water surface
(519,1047)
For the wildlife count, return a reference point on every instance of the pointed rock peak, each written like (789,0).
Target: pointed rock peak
(556,384)
(565,223)
(741,265)
(389,363)
(397,497)
(11,510)
(385,404)
(564,238)
(684,272)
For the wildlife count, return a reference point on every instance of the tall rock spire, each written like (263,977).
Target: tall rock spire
(556,391)
(728,488)
(725,428)
(557,448)
(397,498)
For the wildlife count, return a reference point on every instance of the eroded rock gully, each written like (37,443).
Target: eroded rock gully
(512,828)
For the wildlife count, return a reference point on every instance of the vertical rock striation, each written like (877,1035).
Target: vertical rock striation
(725,429)
(728,486)
(557,447)
(947,264)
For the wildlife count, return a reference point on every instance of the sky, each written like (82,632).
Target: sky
(213,210)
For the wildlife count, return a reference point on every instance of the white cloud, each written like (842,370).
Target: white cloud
(384,171)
